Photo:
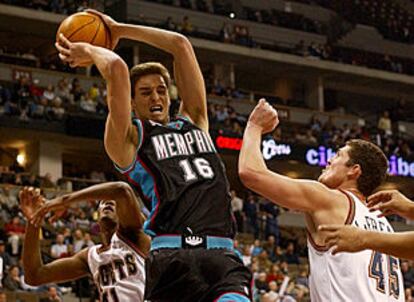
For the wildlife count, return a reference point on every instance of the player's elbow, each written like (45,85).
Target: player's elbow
(121,188)
(182,43)
(116,67)
(248,177)
(32,280)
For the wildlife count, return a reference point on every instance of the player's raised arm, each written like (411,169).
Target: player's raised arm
(346,238)
(37,273)
(127,204)
(304,195)
(120,136)
(188,76)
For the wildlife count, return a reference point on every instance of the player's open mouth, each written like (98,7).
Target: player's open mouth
(156,108)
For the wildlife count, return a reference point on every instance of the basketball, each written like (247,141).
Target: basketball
(85,27)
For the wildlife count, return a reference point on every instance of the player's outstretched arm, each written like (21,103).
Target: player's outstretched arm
(302,195)
(346,238)
(127,204)
(37,273)
(187,73)
(391,202)
(120,136)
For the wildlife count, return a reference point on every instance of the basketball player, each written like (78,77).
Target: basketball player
(174,164)
(338,197)
(351,239)
(116,265)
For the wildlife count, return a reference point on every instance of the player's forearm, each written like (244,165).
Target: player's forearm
(104,191)
(410,212)
(400,245)
(251,160)
(108,63)
(32,260)
(168,41)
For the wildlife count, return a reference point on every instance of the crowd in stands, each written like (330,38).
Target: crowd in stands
(388,16)
(239,34)
(29,100)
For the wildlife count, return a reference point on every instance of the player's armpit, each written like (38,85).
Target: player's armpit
(61,270)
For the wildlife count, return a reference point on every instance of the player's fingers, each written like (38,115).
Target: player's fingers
(328,227)
(64,41)
(62,49)
(64,58)
(381,196)
(386,213)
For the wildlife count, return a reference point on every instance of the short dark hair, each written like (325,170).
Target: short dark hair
(140,70)
(373,163)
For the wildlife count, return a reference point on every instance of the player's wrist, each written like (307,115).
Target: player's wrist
(254,126)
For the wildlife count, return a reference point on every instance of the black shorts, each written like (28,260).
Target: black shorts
(194,275)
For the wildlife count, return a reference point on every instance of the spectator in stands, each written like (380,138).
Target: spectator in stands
(302,279)
(12,281)
(256,248)
(291,255)
(169,24)
(261,284)
(78,241)
(47,181)
(23,96)
(237,208)
(272,294)
(32,181)
(87,104)
(53,295)
(59,249)
(63,91)
(82,221)
(57,110)
(87,240)
(247,255)
(225,34)
(251,210)
(186,27)
(275,274)
(5,258)
(384,123)
(15,231)
(408,274)
(270,245)
(264,261)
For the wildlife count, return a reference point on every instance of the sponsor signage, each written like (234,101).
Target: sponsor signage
(398,166)
(317,156)
(271,149)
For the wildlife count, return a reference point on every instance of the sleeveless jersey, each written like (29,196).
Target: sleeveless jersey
(366,276)
(118,271)
(181,179)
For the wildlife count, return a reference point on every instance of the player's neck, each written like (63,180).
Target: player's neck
(353,189)
(106,237)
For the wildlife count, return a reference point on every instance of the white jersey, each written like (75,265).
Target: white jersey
(367,276)
(118,271)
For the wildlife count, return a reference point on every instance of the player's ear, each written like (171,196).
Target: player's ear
(355,171)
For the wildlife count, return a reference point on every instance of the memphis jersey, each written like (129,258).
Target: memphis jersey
(181,179)
(367,276)
(118,271)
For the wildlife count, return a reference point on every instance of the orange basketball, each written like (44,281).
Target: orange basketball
(85,27)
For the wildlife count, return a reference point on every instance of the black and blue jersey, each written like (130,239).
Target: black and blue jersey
(181,179)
